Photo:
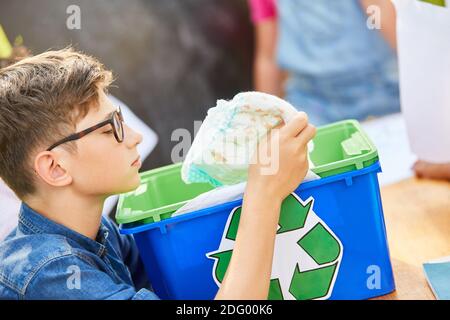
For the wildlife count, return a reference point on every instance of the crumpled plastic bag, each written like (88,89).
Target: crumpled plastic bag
(213,198)
(227,139)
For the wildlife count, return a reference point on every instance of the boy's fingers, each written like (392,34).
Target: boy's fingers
(279,125)
(296,125)
(307,134)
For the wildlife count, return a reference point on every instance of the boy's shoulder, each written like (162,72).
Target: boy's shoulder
(23,255)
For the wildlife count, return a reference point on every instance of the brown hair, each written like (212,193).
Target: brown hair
(41,100)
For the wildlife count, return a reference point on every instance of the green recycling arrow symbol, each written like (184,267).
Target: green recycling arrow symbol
(307,253)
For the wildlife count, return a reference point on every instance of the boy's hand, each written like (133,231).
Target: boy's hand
(281,162)
(249,271)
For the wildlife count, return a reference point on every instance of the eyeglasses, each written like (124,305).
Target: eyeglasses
(116,122)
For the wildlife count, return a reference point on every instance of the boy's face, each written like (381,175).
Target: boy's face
(101,165)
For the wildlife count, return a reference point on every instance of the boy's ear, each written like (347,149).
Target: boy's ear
(50,170)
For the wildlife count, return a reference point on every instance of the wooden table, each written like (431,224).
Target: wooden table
(417,214)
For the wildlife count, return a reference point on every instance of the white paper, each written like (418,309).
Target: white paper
(423,32)
(391,140)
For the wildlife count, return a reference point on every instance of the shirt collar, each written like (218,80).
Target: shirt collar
(31,222)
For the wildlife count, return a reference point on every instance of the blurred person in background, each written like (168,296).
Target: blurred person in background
(9,203)
(323,58)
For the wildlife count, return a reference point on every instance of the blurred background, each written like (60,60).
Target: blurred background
(172,59)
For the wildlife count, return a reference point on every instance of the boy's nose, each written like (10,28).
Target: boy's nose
(132,138)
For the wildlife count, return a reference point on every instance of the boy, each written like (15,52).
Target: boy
(64,148)
(10,204)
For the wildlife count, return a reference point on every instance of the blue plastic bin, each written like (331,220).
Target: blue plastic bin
(176,251)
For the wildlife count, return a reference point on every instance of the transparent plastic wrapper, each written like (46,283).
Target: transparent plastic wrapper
(223,148)
(213,198)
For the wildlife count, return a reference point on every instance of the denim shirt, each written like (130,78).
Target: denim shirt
(42,259)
